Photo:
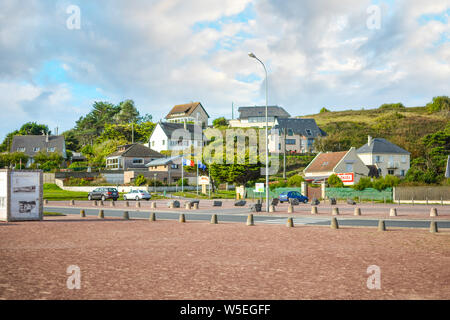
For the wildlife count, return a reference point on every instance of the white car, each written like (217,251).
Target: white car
(137,195)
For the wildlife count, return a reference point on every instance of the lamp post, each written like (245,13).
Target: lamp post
(252,55)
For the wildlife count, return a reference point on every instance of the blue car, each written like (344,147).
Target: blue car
(286,196)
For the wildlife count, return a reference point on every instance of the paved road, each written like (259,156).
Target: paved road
(225,217)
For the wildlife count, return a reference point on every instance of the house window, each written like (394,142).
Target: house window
(403,159)
(36,149)
(153,143)
(174,166)
(391,171)
(378,159)
(308,132)
(21,149)
(164,142)
(349,167)
(290,141)
(402,173)
(290,132)
(138,161)
(52,149)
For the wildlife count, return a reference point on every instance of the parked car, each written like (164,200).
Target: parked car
(137,195)
(287,196)
(103,194)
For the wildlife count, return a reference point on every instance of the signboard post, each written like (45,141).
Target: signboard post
(203,181)
(21,195)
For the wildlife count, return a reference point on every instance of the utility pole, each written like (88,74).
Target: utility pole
(132,132)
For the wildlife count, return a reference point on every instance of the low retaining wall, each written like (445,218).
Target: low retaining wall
(128,189)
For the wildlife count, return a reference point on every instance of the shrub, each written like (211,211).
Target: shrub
(439,104)
(392,106)
(279,184)
(140,180)
(335,182)
(323,110)
(295,181)
(185,182)
(363,183)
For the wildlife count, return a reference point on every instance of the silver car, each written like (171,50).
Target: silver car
(137,195)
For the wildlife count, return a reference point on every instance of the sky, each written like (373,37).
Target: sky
(347,54)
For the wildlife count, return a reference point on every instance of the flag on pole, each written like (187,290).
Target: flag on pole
(187,162)
(201,165)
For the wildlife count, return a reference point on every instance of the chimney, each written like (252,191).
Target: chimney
(185,124)
(369,140)
(46,137)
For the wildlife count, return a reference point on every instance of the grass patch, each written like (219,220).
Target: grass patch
(53,214)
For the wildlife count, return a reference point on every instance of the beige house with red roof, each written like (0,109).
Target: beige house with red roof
(346,164)
(190,113)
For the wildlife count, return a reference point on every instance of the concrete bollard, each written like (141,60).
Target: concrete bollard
(72,202)
(357,212)
(45,201)
(334,223)
(250,221)
(335,211)
(101,203)
(112,204)
(271,208)
(433,227)
(126,216)
(153,205)
(187,206)
(290,208)
(195,207)
(171,205)
(101,214)
(433,212)
(152,216)
(95,203)
(82,214)
(393,212)
(182,218)
(290,223)
(314,210)
(381,225)
(138,204)
(214,219)
(127,204)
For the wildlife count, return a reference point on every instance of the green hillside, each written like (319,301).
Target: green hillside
(402,126)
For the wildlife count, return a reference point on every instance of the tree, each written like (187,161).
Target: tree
(32,128)
(220,122)
(323,110)
(128,112)
(335,182)
(13,158)
(140,180)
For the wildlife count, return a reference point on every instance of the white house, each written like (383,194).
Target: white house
(190,112)
(346,164)
(176,137)
(387,157)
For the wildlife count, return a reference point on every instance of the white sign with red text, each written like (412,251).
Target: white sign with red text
(346,177)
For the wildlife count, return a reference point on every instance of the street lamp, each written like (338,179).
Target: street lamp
(252,55)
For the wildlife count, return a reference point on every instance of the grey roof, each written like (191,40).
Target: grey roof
(258,111)
(170,127)
(135,150)
(447,171)
(162,161)
(380,145)
(38,141)
(299,126)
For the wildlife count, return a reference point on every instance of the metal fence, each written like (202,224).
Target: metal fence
(251,194)
(422,193)
(366,194)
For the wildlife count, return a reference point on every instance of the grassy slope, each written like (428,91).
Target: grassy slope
(402,127)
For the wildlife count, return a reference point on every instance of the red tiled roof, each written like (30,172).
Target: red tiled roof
(325,162)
